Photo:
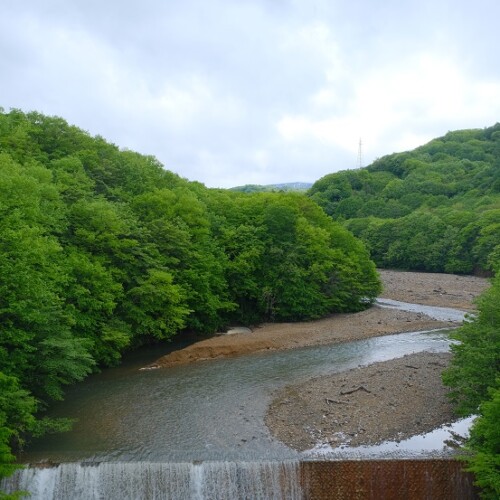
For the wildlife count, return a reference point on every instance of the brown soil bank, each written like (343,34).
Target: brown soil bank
(423,288)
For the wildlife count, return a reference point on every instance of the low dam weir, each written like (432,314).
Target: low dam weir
(436,479)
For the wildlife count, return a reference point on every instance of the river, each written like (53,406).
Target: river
(211,410)
(197,431)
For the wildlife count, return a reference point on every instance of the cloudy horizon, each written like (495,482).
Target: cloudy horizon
(255,92)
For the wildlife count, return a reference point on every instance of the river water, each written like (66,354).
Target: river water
(437,313)
(212,410)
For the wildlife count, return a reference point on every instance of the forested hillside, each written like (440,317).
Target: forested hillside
(103,249)
(287,186)
(436,208)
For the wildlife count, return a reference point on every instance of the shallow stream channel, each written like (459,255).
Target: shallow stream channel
(211,410)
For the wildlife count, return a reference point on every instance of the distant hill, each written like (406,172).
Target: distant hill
(436,208)
(286,186)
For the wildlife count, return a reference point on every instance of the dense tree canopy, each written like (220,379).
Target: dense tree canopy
(474,376)
(476,362)
(436,208)
(103,249)
(286,260)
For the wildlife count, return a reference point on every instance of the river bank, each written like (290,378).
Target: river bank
(440,290)
(443,290)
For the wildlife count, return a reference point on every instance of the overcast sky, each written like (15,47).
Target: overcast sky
(232,92)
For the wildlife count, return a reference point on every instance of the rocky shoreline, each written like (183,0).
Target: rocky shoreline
(443,290)
(335,329)
(440,290)
(391,400)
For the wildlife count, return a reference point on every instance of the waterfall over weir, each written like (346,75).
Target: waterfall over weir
(390,479)
(142,480)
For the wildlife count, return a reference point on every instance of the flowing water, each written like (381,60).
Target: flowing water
(437,313)
(184,431)
(137,480)
(211,410)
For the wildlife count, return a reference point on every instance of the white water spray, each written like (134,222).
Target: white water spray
(142,480)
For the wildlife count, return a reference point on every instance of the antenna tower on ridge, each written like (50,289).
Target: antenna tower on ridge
(359,162)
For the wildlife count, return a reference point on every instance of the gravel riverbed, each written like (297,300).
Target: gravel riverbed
(391,400)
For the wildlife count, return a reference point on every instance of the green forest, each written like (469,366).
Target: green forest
(436,208)
(103,250)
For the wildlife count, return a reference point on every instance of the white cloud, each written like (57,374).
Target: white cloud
(393,106)
(255,92)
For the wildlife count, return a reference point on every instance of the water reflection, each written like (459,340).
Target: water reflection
(437,313)
(439,441)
